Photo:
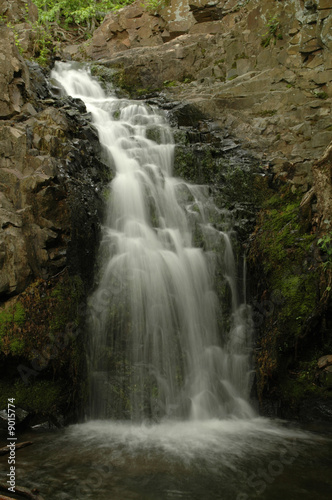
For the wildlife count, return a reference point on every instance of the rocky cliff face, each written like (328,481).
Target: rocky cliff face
(261,69)
(51,183)
(49,164)
(248,86)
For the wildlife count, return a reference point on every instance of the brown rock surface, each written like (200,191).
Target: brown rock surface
(14,77)
(322,174)
(275,98)
(42,204)
(18,11)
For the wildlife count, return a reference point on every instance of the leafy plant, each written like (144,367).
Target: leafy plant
(43,44)
(16,37)
(76,12)
(273,32)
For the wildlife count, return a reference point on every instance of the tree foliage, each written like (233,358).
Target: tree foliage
(79,12)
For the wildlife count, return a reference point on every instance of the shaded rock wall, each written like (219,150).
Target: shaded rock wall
(51,203)
(49,175)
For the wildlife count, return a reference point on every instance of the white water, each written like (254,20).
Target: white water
(155,319)
(209,458)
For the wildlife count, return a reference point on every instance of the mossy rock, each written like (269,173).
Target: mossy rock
(288,310)
(42,342)
(42,398)
(126,82)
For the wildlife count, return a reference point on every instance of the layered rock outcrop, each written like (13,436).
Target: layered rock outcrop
(241,76)
(51,183)
(14,77)
(262,70)
(42,148)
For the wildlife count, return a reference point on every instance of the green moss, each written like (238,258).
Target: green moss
(283,246)
(188,79)
(321,95)
(184,163)
(42,397)
(170,83)
(118,77)
(69,294)
(303,383)
(43,337)
(11,321)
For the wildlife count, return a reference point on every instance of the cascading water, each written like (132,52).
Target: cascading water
(159,346)
(164,344)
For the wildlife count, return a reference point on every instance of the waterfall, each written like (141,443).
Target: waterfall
(162,345)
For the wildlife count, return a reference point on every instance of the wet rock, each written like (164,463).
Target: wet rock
(22,419)
(325,378)
(51,207)
(38,83)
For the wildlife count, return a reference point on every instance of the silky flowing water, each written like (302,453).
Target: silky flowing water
(169,357)
(157,348)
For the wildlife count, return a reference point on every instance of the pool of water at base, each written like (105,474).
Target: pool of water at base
(202,460)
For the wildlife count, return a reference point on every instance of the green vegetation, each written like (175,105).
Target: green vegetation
(290,342)
(16,37)
(43,44)
(67,13)
(62,20)
(43,397)
(41,344)
(273,32)
(170,83)
(321,95)
(11,321)
(46,311)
